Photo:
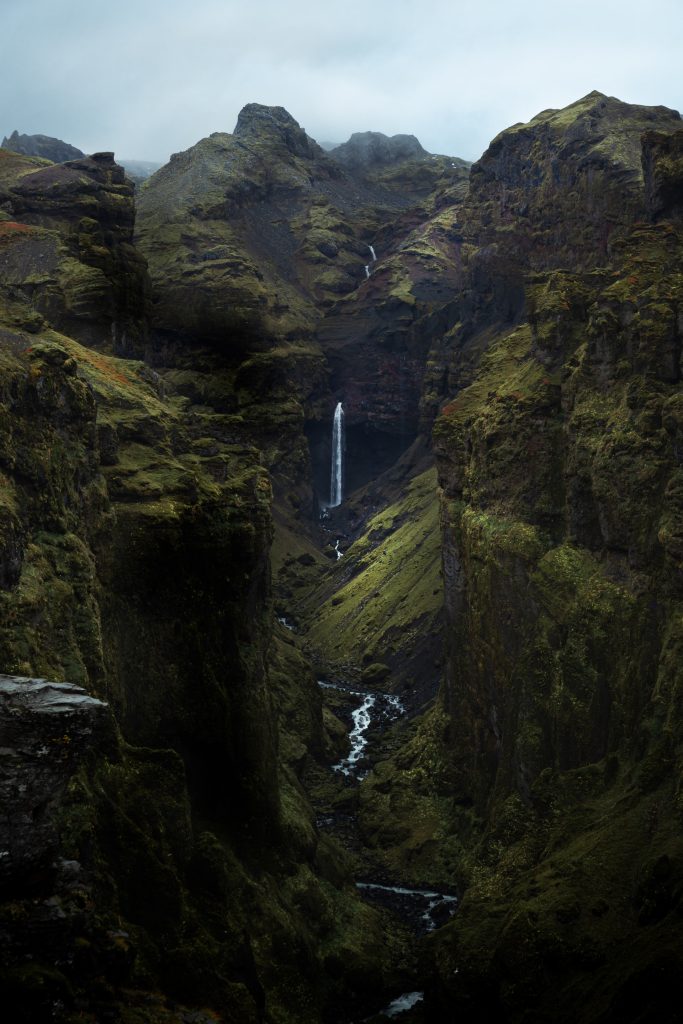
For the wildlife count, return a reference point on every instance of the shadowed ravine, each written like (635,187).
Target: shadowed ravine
(421,908)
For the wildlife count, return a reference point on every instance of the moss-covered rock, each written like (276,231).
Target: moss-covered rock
(559,475)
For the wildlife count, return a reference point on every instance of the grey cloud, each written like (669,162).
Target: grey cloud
(147,78)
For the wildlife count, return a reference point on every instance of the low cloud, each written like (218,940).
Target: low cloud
(148,78)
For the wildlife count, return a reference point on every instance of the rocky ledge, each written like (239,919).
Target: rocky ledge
(45,729)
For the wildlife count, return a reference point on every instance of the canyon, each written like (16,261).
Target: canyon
(341,578)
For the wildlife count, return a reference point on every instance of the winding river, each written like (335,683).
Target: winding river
(383,708)
(424,909)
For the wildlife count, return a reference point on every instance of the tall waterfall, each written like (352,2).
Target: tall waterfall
(337,471)
(372,253)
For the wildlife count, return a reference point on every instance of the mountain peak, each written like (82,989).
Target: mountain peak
(259,123)
(374,149)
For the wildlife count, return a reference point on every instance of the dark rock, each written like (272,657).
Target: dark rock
(41,145)
(374,674)
(275,125)
(369,150)
(46,728)
(663,171)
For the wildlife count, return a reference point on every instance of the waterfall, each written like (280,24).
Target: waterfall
(372,253)
(367,270)
(337,471)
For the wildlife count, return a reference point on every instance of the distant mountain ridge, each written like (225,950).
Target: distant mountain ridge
(374,149)
(44,146)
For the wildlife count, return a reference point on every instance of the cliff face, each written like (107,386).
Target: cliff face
(559,469)
(66,237)
(135,563)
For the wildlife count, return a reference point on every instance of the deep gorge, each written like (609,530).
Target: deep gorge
(183,650)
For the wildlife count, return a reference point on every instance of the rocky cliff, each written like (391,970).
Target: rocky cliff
(559,468)
(67,252)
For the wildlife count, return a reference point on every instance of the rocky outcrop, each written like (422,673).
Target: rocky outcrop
(41,145)
(552,192)
(66,248)
(45,730)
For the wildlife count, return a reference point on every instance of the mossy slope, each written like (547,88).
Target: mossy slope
(381,602)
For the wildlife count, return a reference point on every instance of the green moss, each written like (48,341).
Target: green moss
(492,536)
(406,808)
(382,600)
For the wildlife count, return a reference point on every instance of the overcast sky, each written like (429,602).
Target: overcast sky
(150,77)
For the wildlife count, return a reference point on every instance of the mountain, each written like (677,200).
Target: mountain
(240,722)
(366,150)
(41,145)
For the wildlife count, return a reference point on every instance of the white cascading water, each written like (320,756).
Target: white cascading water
(337,473)
(367,270)
(372,253)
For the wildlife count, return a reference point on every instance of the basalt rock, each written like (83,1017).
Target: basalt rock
(663,171)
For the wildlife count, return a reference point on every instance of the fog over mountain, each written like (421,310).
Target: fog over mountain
(147,80)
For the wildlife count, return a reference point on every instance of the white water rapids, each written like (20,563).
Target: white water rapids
(387,705)
(433,904)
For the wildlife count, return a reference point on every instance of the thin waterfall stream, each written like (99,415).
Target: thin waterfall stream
(337,464)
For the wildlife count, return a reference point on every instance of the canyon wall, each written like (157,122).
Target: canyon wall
(559,466)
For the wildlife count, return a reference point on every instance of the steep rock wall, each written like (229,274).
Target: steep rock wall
(76,263)
(559,468)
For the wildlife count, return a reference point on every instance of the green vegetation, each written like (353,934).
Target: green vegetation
(382,601)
